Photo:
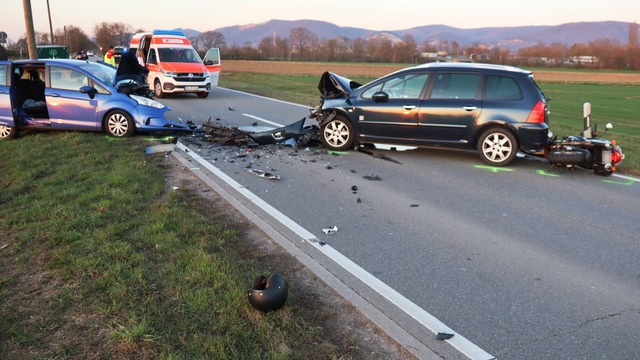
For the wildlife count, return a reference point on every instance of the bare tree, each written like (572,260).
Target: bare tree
(212,39)
(359,49)
(112,34)
(74,38)
(301,39)
(605,50)
(406,51)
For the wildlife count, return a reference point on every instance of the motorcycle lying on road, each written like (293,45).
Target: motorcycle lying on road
(587,150)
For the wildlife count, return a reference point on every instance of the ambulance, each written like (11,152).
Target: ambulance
(174,65)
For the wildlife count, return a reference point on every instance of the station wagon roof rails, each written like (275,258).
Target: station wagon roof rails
(466,65)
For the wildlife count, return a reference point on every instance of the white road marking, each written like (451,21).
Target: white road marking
(263,120)
(459,342)
(266,98)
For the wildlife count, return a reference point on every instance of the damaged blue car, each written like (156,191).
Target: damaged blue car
(56,94)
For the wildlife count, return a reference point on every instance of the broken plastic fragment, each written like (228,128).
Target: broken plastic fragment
(160,148)
(330,231)
(266,175)
(372,177)
(443,336)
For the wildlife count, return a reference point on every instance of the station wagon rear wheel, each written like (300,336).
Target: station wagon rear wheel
(497,147)
(119,124)
(337,134)
(8,132)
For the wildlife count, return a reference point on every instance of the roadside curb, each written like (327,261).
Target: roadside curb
(388,326)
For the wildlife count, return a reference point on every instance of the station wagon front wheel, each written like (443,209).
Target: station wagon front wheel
(337,134)
(8,132)
(497,147)
(119,124)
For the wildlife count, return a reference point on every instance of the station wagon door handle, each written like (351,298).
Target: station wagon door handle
(470,108)
(409,107)
(54,95)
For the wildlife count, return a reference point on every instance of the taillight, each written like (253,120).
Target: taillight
(616,156)
(537,114)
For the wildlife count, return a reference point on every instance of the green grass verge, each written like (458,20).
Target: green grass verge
(618,104)
(98,260)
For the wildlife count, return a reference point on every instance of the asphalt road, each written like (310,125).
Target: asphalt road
(524,262)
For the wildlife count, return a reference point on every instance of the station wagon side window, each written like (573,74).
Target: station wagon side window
(406,86)
(67,79)
(504,88)
(456,86)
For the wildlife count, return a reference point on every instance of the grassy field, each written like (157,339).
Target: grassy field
(101,258)
(616,102)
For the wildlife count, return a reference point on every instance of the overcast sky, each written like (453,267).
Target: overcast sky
(204,15)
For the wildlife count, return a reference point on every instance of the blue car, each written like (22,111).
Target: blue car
(74,95)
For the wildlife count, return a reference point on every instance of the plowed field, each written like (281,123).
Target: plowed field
(374,70)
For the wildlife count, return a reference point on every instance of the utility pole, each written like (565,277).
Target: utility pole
(50,24)
(31,34)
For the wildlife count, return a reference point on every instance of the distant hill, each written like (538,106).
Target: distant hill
(507,37)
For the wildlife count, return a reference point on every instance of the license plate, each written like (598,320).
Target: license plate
(191,88)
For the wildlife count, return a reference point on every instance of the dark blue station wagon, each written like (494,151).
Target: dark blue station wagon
(496,110)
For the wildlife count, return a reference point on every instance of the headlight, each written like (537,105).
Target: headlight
(169,73)
(141,100)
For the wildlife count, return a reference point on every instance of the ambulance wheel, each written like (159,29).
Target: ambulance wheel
(157,89)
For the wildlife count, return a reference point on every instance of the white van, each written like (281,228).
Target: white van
(174,65)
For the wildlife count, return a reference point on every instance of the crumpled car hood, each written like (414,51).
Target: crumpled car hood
(334,86)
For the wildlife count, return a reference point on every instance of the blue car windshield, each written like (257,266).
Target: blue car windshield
(105,74)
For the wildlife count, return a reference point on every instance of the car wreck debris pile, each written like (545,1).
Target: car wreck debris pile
(295,134)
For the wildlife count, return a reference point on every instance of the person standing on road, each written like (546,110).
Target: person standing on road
(109,57)
(140,57)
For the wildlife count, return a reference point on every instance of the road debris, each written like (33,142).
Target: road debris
(160,148)
(330,231)
(443,336)
(379,156)
(295,134)
(266,175)
(372,177)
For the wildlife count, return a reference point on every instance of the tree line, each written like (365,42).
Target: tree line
(303,45)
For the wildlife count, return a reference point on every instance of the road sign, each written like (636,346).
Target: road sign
(3,37)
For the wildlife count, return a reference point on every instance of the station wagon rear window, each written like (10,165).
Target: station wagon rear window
(498,87)
(456,86)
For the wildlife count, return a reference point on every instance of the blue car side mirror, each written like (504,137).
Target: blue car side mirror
(91,91)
